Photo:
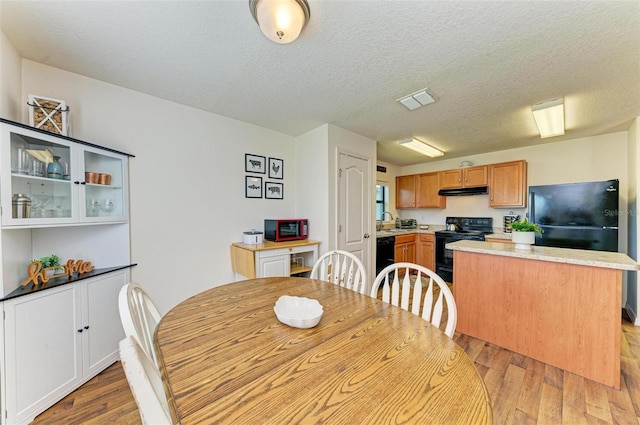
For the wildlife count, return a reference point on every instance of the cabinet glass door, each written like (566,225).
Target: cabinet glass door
(103,179)
(39,189)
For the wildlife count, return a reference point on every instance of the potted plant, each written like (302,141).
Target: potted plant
(50,261)
(524,233)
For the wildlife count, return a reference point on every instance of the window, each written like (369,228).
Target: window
(382,201)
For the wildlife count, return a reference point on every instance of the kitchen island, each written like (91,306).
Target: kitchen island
(556,305)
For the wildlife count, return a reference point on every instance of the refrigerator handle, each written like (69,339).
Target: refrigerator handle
(532,207)
(610,227)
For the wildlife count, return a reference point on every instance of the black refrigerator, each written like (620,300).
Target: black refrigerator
(576,215)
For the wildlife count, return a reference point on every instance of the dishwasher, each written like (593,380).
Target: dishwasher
(385,252)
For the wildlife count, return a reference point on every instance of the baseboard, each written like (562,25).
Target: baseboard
(633,317)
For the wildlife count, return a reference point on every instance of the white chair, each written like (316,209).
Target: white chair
(341,268)
(139,316)
(145,382)
(397,293)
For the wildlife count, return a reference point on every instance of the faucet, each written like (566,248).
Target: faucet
(386,212)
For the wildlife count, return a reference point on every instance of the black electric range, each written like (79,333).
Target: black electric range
(464,228)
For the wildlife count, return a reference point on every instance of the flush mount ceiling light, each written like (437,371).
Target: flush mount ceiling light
(280,20)
(549,117)
(422,147)
(417,100)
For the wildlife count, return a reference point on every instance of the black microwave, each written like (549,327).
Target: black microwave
(286,230)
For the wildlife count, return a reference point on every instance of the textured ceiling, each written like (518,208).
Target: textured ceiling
(487,63)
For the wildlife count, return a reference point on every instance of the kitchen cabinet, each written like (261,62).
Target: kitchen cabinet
(508,184)
(464,177)
(65,198)
(426,250)
(406,191)
(419,191)
(405,248)
(56,340)
(427,187)
(274,258)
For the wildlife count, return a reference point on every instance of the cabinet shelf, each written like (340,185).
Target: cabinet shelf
(297,269)
(39,178)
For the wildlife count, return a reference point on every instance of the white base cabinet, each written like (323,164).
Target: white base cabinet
(56,340)
(271,259)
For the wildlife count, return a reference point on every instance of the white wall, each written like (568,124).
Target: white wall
(633,295)
(187,179)
(312,188)
(11,79)
(317,181)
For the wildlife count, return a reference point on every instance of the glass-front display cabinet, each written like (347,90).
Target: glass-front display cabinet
(49,180)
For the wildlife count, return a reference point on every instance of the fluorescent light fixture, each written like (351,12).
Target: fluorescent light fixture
(549,117)
(422,147)
(417,100)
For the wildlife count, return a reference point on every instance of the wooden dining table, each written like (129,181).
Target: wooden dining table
(225,358)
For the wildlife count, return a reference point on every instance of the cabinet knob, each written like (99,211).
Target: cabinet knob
(366,236)
(86,327)
(80,330)
(83,182)
(76,182)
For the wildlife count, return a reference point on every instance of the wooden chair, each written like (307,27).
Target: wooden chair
(397,293)
(341,268)
(139,316)
(145,383)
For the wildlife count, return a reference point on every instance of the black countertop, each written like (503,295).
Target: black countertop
(59,281)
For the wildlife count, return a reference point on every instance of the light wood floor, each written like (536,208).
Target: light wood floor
(523,391)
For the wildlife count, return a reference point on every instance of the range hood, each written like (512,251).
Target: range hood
(464,191)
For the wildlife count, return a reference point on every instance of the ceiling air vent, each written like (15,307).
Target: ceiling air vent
(417,99)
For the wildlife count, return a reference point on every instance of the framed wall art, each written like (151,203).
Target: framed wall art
(276,168)
(252,187)
(255,163)
(273,190)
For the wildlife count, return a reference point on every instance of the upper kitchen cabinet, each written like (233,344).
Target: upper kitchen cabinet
(464,177)
(419,191)
(508,184)
(51,180)
(427,187)
(406,191)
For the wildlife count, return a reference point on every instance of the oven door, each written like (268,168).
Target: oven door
(444,257)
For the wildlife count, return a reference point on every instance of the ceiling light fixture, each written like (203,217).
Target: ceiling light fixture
(417,100)
(280,20)
(422,147)
(549,118)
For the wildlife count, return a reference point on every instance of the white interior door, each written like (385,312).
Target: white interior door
(354,209)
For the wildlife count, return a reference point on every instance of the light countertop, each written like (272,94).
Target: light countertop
(610,260)
(398,232)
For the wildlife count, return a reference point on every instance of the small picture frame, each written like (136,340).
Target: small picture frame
(276,168)
(273,190)
(255,163)
(252,187)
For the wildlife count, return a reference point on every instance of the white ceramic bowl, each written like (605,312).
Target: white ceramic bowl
(298,312)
